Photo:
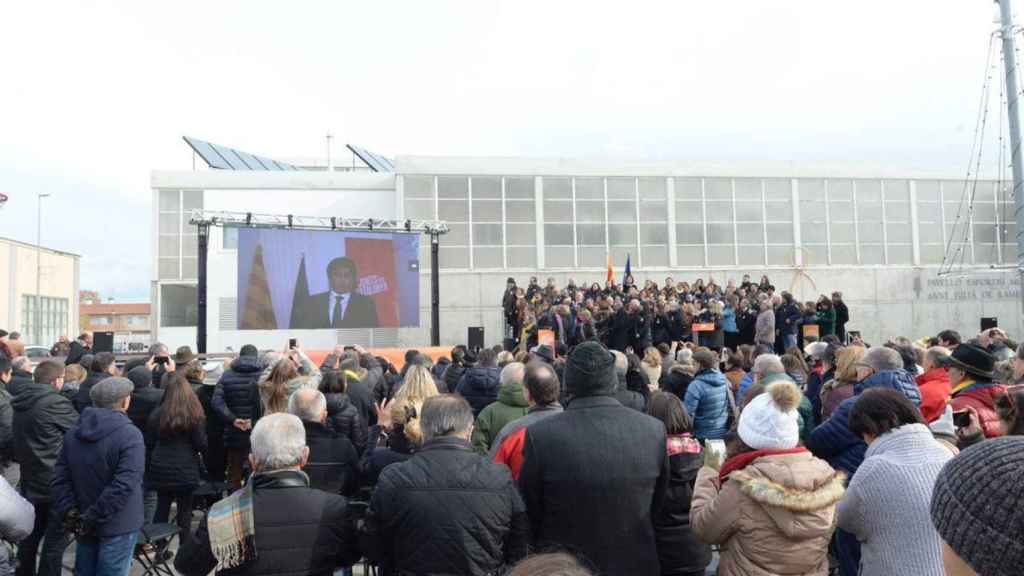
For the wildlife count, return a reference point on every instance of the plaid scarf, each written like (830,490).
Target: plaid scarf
(233,530)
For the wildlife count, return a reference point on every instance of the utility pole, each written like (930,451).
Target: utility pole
(1012,112)
(38,332)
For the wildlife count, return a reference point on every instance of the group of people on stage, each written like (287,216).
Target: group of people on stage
(627,315)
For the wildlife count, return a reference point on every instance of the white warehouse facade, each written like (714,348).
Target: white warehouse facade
(876,234)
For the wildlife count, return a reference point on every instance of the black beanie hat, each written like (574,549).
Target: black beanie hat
(590,371)
(978,506)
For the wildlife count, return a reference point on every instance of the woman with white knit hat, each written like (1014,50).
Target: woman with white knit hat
(772,504)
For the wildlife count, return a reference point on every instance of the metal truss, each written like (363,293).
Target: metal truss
(250,220)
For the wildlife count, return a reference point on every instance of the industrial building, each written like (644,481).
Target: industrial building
(39,297)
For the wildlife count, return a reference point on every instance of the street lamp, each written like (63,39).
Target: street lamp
(39,267)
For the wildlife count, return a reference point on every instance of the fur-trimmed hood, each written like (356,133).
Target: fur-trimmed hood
(797,491)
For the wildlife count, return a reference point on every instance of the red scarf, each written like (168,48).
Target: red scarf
(741,461)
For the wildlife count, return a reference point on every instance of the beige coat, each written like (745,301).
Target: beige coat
(775,516)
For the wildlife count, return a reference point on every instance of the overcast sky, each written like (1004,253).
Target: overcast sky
(95,94)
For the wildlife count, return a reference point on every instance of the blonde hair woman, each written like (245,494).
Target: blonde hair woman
(841,387)
(417,387)
(651,365)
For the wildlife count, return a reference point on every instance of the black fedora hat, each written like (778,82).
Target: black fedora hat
(972,359)
(183,356)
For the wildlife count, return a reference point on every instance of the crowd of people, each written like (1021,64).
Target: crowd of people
(627,316)
(653,458)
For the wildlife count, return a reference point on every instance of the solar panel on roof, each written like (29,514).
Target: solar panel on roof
(207,153)
(226,158)
(375,162)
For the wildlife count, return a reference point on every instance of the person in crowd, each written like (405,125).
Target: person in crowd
(17,516)
(970,376)
(796,368)
(680,552)
(74,375)
(97,481)
(934,384)
(707,397)
(80,347)
(103,366)
(841,386)
(6,417)
(455,370)
(394,438)
(771,506)
(712,315)
(551,564)
(42,416)
(1011,418)
(636,377)
(333,464)
(486,525)
(626,396)
(343,418)
(541,389)
(276,524)
(234,401)
(178,431)
(787,317)
(624,452)
(204,385)
(61,347)
(290,373)
(887,502)
(651,365)
(768,369)
(145,397)
(734,371)
(842,316)
(510,405)
(980,529)
(417,387)
(730,326)
(358,382)
(949,339)
(826,317)
(21,374)
(480,381)
(765,325)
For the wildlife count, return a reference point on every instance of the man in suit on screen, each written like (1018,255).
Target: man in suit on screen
(342,306)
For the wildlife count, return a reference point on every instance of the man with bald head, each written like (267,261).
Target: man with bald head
(333,460)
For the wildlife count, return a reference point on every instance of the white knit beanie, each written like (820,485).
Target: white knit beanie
(770,420)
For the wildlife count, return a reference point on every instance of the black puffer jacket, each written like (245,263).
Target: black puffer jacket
(679,550)
(145,398)
(396,448)
(479,386)
(301,531)
(485,525)
(174,459)
(234,399)
(41,418)
(344,420)
(333,464)
(82,399)
(361,397)
(452,375)
(19,379)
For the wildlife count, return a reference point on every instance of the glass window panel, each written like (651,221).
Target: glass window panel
(843,233)
(653,211)
(520,211)
(653,189)
(189,268)
(688,189)
(590,234)
(751,255)
(721,256)
(690,255)
(750,233)
(780,255)
(930,233)
(619,255)
(869,191)
(840,190)
(901,254)
(488,258)
(487,235)
(720,234)
(453,257)
(419,208)
(778,189)
(486,210)
(592,257)
(811,189)
(619,211)
(418,186)
(812,211)
(690,233)
(897,190)
(522,257)
(191,200)
(557,188)
(954,210)
(229,237)
(453,210)
(588,211)
(622,234)
(559,257)
(689,212)
(814,255)
(780,233)
(169,223)
(932,253)
(871,254)
(653,234)
(898,234)
(813,233)
(521,234)
(870,233)
(557,211)
(452,187)
(749,211)
(458,235)
(169,246)
(621,189)
(844,254)
(558,234)
(190,246)
(984,234)
(897,212)
(779,212)
(169,269)
(178,305)
(929,212)
(519,188)
(748,189)
(1008,234)
(869,212)
(719,211)
(984,211)
(170,201)
(655,256)
(986,254)
(927,190)
(486,187)
(718,188)
(1009,254)
(590,188)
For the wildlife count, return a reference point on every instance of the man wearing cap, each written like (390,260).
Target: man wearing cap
(97,483)
(970,375)
(592,475)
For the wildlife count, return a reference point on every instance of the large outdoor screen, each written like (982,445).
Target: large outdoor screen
(322,279)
